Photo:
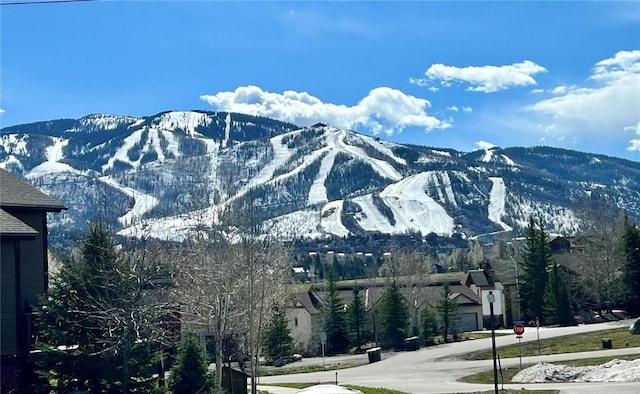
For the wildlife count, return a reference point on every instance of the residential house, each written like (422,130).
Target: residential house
(485,279)
(305,316)
(24,269)
(305,321)
(507,272)
(299,274)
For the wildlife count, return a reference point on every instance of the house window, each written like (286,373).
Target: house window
(295,322)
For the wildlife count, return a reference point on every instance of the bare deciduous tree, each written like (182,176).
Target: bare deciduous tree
(601,264)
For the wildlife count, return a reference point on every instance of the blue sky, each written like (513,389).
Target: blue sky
(462,75)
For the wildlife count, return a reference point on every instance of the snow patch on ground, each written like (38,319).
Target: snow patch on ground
(336,140)
(613,371)
(50,167)
(328,389)
(186,120)
(413,209)
(227,131)
(497,198)
(370,217)
(14,144)
(54,154)
(488,154)
(153,142)
(143,203)
(174,228)
(301,223)
(441,153)
(281,154)
(508,160)
(384,149)
(331,219)
(318,191)
(104,121)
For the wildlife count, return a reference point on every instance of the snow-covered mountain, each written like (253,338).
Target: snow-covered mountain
(167,174)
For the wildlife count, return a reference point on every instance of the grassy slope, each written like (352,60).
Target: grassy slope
(566,344)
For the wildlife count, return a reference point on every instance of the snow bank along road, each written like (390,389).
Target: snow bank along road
(436,369)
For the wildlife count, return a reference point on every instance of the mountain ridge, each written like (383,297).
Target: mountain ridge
(164,172)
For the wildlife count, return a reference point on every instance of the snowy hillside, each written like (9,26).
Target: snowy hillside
(168,174)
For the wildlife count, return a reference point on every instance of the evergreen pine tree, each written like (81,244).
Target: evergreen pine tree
(334,319)
(317,267)
(631,276)
(428,327)
(394,315)
(337,268)
(448,311)
(189,373)
(96,303)
(356,314)
(536,259)
(277,342)
(556,302)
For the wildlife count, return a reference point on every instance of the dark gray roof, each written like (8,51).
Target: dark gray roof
(465,291)
(14,227)
(477,277)
(372,292)
(15,193)
(304,298)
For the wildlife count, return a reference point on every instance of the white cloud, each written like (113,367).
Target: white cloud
(484,145)
(420,82)
(382,110)
(535,91)
(635,129)
(634,143)
(453,108)
(608,101)
(1,111)
(467,109)
(559,89)
(486,79)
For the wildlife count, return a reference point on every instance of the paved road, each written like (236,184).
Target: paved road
(435,369)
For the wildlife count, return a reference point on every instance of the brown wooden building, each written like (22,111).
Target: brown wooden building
(24,269)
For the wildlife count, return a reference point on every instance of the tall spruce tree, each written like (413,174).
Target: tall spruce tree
(277,342)
(448,311)
(189,374)
(536,258)
(631,276)
(356,314)
(428,327)
(556,303)
(334,317)
(394,315)
(99,304)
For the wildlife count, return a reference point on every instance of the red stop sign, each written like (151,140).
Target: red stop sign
(518,329)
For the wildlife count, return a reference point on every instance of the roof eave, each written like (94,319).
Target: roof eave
(48,208)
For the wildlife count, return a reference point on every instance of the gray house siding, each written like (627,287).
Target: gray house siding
(23,237)
(8,339)
(33,255)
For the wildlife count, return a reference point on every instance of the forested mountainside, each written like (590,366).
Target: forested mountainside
(173,172)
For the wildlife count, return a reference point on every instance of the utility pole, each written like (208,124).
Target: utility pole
(492,304)
(491,298)
(515,264)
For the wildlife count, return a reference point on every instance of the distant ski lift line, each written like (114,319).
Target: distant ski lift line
(44,2)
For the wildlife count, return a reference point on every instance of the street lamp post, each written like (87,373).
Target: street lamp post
(491,298)
(515,264)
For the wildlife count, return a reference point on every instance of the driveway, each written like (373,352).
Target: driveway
(436,369)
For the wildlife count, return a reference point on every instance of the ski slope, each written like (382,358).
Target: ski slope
(497,197)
